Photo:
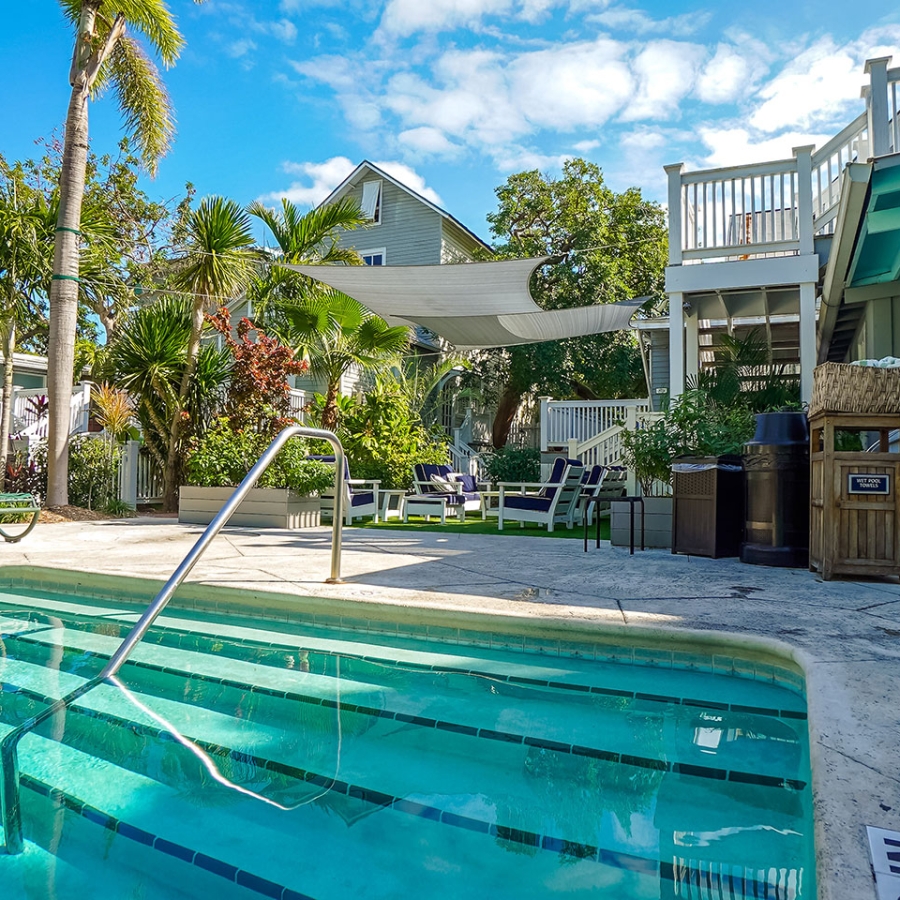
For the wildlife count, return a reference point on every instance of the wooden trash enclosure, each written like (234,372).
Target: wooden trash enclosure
(854,527)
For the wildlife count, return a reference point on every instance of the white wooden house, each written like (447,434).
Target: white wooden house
(806,249)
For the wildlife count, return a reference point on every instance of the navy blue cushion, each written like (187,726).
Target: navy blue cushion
(361,498)
(516,501)
(470,485)
(423,473)
(556,474)
(593,476)
(330,459)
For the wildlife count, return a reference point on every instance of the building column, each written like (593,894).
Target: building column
(877,106)
(676,301)
(676,345)
(691,346)
(807,339)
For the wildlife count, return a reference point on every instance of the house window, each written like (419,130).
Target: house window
(372,257)
(371,201)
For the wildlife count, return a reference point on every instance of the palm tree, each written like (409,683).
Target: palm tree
(105,54)
(148,358)
(335,333)
(218,261)
(25,226)
(302,239)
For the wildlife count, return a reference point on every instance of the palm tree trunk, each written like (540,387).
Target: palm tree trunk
(329,411)
(64,286)
(9,346)
(170,476)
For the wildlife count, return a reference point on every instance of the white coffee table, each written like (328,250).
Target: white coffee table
(427,505)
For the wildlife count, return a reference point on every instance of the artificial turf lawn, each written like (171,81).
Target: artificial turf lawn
(474,524)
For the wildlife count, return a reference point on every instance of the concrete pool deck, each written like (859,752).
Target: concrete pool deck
(846,635)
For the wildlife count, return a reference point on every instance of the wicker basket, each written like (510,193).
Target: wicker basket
(863,390)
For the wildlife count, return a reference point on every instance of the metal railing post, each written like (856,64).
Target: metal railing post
(10,807)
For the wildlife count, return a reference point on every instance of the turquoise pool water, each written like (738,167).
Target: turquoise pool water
(236,759)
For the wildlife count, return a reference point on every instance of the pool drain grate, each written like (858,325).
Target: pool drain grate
(885,849)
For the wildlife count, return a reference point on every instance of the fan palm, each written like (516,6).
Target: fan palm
(106,55)
(217,263)
(149,356)
(335,332)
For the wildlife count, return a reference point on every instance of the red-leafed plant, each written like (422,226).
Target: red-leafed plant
(258,393)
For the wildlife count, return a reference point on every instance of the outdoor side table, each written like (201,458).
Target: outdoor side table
(631,501)
(427,505)
(391,503)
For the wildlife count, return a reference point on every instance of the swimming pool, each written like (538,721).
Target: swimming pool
(342,758)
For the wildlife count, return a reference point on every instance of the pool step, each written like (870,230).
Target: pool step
(494,712)
(325,848)
(562,673)
(423,769)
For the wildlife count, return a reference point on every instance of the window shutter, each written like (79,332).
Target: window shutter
(371,196)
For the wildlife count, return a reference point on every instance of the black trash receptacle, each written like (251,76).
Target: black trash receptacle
(708,505)
(777,465)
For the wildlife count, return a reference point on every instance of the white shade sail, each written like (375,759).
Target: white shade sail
(473,305)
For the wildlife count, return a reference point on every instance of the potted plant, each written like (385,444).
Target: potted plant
(287,495)
(647,453)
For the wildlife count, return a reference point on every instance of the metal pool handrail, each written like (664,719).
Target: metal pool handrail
(10,806)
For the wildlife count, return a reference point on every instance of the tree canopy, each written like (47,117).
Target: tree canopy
(604,247)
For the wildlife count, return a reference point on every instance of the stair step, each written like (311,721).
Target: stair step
(312,850)
(379,768)
(563,673)
(497,717)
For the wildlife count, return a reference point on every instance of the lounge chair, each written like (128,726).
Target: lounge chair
(458,491)
(554,503)
(359,501)
(19,505)
(591,485)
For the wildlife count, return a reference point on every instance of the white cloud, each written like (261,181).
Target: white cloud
(728,75)
(638,22)
(241,48)
(821,84)
(318,180)
(428,140)
(586,146)
(666,71)
(406,17)
(737,146)
(517,159)
(571,85)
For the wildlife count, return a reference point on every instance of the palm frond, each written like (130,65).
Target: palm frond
(143,100)
(153,19)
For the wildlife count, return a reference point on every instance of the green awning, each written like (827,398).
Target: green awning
(876,259)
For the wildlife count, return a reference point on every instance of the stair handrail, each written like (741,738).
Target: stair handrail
(10,805)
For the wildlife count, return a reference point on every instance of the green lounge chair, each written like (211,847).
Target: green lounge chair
(18,504)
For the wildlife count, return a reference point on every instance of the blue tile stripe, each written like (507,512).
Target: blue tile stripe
(160,637)
(739,887)
(626,759)
(255,883)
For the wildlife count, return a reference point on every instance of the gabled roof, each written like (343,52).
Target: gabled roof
(352,180)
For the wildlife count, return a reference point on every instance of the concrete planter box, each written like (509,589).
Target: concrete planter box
(262,507)
(657,529)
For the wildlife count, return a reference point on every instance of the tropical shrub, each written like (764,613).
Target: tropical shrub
(223,455)
(258,389)
(94,472)
(384,438)
(512,464)
(693,426)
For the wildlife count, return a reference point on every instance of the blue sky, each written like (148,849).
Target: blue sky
(283,97)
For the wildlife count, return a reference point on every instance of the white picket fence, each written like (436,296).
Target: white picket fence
(30,422)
